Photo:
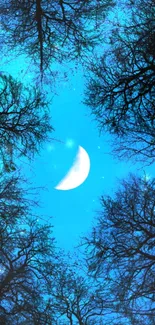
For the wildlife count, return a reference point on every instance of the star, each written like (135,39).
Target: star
(69,143)
(50,147)
(147,177)
(98,147)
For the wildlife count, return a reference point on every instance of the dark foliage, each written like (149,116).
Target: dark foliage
(27,255)
(76,300)
(52,30)
(121,85)
(24,120)
(122,252)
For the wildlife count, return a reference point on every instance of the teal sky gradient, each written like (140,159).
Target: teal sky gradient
(73,210)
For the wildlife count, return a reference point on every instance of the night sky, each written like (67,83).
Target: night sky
(73,210)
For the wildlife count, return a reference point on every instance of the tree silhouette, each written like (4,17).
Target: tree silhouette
(121,85)
(24,120)
(76,301)
(121,249)
(52,30)
(27,255)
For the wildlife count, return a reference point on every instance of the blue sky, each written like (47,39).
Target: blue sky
(73,210)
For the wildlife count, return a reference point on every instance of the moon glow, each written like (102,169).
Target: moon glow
(77,173)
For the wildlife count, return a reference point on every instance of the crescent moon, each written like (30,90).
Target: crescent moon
(78,172)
